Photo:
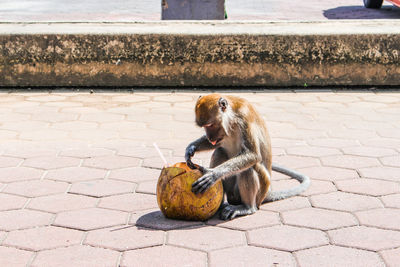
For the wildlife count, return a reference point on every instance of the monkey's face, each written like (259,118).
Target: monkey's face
(211,115)
(215,132)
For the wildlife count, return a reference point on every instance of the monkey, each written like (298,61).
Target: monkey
(242,155)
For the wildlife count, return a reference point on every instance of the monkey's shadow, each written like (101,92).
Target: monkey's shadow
(156,220)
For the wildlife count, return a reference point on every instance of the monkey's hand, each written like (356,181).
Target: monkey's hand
(205,181)
(190,150)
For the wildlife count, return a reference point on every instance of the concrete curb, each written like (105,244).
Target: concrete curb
(200,53)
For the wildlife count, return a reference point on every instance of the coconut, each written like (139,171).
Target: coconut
(176,199)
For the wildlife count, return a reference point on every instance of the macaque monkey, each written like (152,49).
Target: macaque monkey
(242,155)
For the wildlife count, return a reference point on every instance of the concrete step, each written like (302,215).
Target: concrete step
(207,53)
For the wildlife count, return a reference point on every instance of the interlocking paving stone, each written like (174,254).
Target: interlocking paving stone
(29,152)
(9,161)
(164,256)
(21,219)
(102,188)
(318,218)
(370,187)
(319,187)
(112,162)
(141,152)
(101,117)
(54,117)
(49,163)
(391,201)
(206,238)
(129,202)
(365,238)
(386,218)
(90,219)
(288,238)
(329,173)
(74,125)
(157,163)
(123,126)
(308,151)
(349,161)
(131,98)
(14,257)
(154,219)
(148,187)
(25,125)
(296,162)
(324,256)
(106,138)
(383,173)
(43,238)
(43,135)
(124,238)
(292,203)
(11,117)
(11,202)
(333,142)
(15,174)
(391,257)
(381,142)
(136,174)
(46,98)
(86,152)
(62,202)
(250,256)
(390,133)
(393,161)
(36,188)
(368,151)
(75,174)
(256,220)
(345,202)
(77,256)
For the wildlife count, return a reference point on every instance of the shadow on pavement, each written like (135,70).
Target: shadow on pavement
(360,12)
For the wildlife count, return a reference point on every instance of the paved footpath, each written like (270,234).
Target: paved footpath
(150,10)
(78,177)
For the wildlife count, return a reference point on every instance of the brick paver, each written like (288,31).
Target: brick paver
(365,238)
(164,256)
(125,238)
(89,219)
(43,238)
(14,257)
(101,188)
(287,238)
(250,256)
(36,188)
(78,175)
(77,256)
(391,257)
(206,239)
(325,256)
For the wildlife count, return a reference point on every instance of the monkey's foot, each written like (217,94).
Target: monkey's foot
(230,211)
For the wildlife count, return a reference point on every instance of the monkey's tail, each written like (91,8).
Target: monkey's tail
(279,195)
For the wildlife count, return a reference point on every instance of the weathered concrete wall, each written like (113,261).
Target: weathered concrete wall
(230,59)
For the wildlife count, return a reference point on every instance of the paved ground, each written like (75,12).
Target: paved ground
(150,10)
(78,176)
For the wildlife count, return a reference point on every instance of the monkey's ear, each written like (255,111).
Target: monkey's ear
(222,103)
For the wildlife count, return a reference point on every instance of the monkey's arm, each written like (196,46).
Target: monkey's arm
(230,167)
(200,144)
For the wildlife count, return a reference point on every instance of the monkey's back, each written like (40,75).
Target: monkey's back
(255,127)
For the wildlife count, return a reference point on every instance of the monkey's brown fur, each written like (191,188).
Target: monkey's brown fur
(242,156)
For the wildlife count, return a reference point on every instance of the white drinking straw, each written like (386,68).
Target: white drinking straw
(161,155)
